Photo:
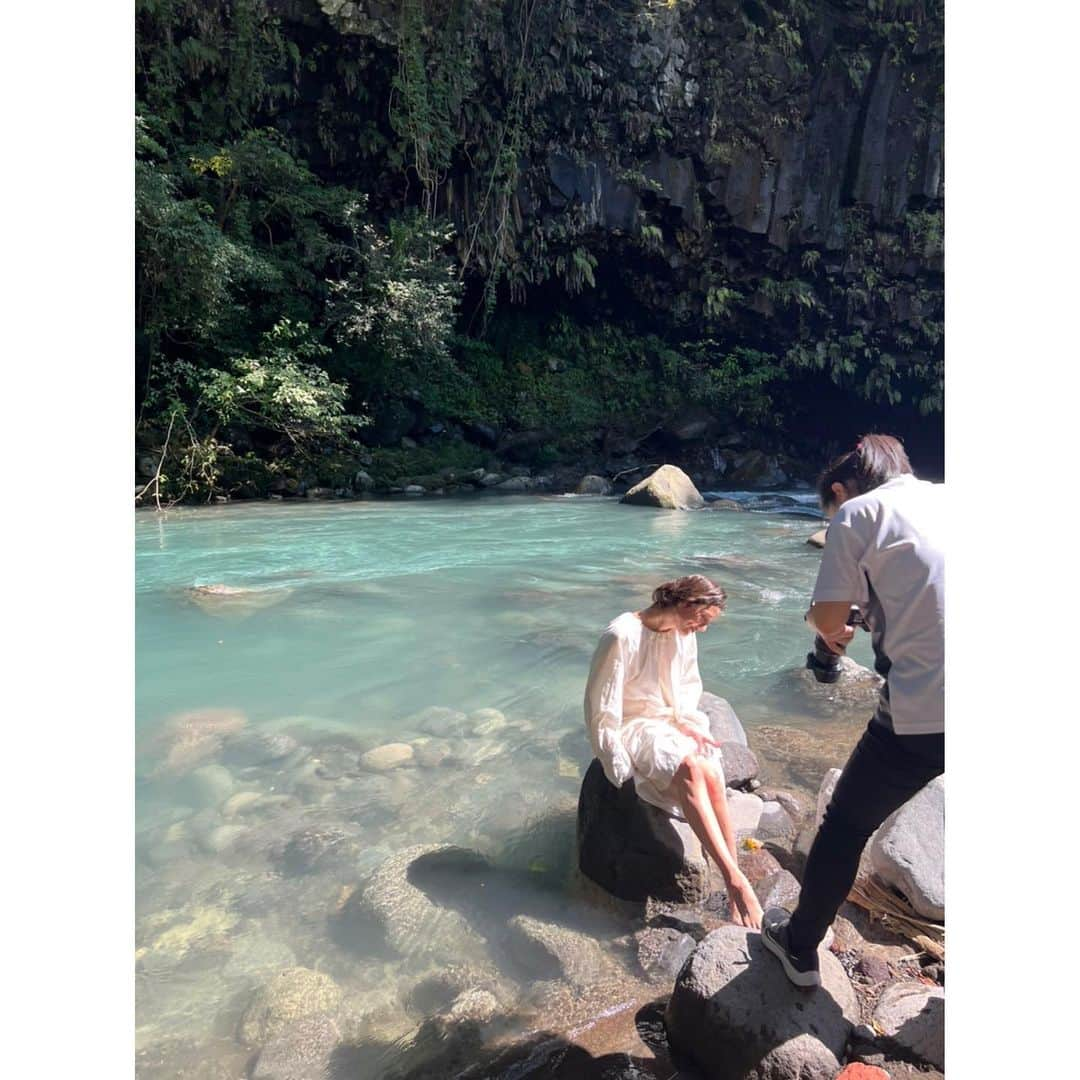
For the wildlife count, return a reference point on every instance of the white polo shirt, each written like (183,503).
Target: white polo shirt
(885,552)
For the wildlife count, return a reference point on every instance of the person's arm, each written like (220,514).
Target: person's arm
(841,583)
(604,709)
(829,619)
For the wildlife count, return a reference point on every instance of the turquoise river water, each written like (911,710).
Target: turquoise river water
(278,643)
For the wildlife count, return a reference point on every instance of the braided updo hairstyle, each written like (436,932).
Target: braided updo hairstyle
(693,589)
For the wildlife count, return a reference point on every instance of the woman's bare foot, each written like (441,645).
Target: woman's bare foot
(745,906)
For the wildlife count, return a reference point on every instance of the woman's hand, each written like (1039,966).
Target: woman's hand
(703,742)
(744,904)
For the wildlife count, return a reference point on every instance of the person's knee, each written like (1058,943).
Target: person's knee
(838,821)
(691,772)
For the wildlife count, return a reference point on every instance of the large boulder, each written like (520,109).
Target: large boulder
(724,725)
(734,1013)
(912,1017)
(668,488)
(757,469)
(413,924)
(633,849)
(908,851)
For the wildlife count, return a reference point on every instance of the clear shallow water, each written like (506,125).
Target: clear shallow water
(351,619)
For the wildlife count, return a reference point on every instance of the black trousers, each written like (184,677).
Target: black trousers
(883,772)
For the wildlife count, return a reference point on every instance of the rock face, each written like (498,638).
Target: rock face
(668,488)
(908,851)
(735,1015)
(633,849)
(593,485)
(912,1016)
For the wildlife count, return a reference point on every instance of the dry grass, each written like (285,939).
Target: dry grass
(896,914)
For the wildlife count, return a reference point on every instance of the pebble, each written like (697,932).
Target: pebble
(386,757)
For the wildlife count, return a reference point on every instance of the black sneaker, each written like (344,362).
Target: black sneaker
(801,968)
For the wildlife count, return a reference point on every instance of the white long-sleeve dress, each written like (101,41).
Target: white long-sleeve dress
(639,682)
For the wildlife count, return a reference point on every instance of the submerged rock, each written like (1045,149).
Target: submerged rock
(293,994)
(735,1014)
(817,539)
(668,488)
(192,738)
(550,951)
(634,850)
(662,951)
(908,851)
(301,1052)
(438,720)
(389,756)
(412,923)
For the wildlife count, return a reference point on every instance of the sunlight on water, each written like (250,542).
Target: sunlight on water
(278,644)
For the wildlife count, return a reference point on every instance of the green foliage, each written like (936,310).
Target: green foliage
(399,307)
(281,391)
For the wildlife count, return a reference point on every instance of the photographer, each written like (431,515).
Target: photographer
(884,553)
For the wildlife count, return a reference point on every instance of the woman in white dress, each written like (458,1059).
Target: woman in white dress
(641,710)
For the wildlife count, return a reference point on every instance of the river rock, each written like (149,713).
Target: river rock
(387,757)
(209,785)
(192,738)
(908,851)
(243,802)
(432,752)
(413,924)
(594,485)
(912,1016)
(735,1014)
(515,484)
(756,861)
(550,951)
(486,721)
(668,488)
(252,748)
(724,725)
(634,850)
(778,890)
(291,995)
(725,504)
(306,848)
(662,951)
(740,763)
(757,469)
(438,720)
(303,1051)
(775,824)
(475,1006)
(745,811)
(817,539)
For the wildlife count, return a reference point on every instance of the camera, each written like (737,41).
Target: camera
(822,661)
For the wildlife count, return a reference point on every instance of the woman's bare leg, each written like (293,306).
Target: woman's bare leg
(691,788)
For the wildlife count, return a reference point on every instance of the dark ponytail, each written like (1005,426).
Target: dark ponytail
(875,459)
